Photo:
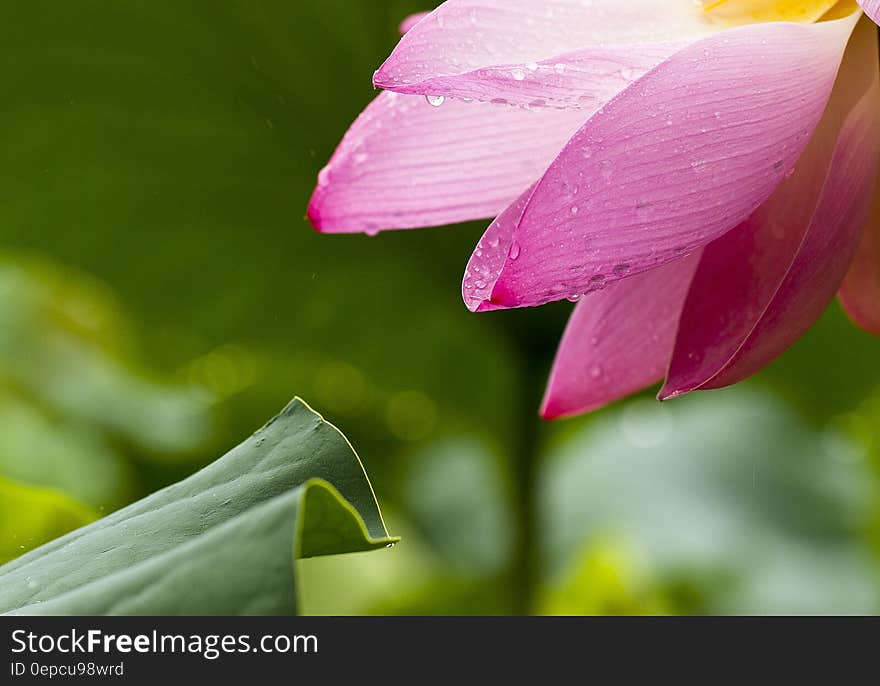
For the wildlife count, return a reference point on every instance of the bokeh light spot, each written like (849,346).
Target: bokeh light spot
(411,415)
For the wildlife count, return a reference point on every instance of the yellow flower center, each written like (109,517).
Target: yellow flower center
(739,12)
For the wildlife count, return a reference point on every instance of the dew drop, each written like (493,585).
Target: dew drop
(435,100)
(778,230)
(514,251)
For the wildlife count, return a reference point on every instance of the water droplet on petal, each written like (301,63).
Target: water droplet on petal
(435,100)
(778,230)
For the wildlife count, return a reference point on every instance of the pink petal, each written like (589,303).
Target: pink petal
(618,340)
(676,160)
(405,163)
(407,24)
(860,293)
(872,9)
(466,44)
(585,78)
(495,248)
(761,286)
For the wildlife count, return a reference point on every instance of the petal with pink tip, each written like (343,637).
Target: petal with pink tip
(618,340)
(406,164)
(761,286)
(860,293)
(490,255)
(679,158)
(496,48)
(872,9)
(409,23)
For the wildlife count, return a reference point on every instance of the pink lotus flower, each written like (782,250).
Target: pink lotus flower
(699,178)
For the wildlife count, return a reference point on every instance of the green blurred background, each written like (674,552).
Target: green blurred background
(161,295)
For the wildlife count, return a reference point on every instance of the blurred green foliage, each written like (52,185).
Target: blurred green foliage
(162,294)
(30,516)
(732,498)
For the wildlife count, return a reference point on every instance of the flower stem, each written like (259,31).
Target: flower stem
(525,458)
